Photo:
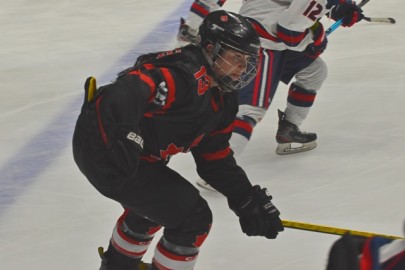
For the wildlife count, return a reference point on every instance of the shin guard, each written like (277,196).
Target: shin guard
(129,242)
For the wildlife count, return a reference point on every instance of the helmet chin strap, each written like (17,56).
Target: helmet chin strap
(213,54)
(211,57)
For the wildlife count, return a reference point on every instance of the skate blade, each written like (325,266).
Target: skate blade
(205,185)
(286,148)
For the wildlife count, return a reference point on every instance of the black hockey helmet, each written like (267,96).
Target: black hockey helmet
(228,30)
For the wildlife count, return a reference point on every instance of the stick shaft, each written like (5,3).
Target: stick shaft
(380,20)
(331,230)
(338,23)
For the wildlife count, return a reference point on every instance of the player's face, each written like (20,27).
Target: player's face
(231,63)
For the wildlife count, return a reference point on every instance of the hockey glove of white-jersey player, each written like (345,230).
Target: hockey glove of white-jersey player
(347,10)
(317,47)
(257,214)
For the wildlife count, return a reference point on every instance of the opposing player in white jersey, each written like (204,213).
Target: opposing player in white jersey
(292,40)
(289,33)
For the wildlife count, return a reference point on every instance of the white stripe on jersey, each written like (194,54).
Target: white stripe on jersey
(264,77)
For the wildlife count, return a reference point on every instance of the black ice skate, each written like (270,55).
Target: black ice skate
(106,266)
(186,33)
(289,135)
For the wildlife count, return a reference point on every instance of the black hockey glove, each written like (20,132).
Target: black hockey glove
(257,214)
(317,47)
(348,11)
(125,150)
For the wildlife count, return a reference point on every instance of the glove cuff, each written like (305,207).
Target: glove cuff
(318,33)
(236,204)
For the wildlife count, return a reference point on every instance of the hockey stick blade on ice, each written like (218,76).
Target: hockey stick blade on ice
(380,20)
(331,230)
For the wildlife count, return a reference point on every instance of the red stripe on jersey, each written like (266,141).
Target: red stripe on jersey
(148,80)
(199,9)
(148,66)
(256,86)
(228,129)
(100,123)
(243,125)
(217,155)
(262,32)
(301,96)
(214,105)
(171,87)
(291,40)
(366,261)
(197,140)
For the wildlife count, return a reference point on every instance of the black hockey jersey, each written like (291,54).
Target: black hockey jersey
(167,98)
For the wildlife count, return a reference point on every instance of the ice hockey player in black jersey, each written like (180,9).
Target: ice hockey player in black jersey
(169,102)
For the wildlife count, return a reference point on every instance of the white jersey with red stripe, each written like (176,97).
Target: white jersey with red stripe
(284,23)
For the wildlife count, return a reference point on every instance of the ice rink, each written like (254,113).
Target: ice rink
(52,218)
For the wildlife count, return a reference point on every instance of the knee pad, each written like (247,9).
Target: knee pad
(194,229)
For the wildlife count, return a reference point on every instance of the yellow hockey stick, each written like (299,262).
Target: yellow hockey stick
(331,230)
(90,88)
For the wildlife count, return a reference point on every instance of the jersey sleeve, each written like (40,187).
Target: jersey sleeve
(293,26)
(217,166)
(138,93)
